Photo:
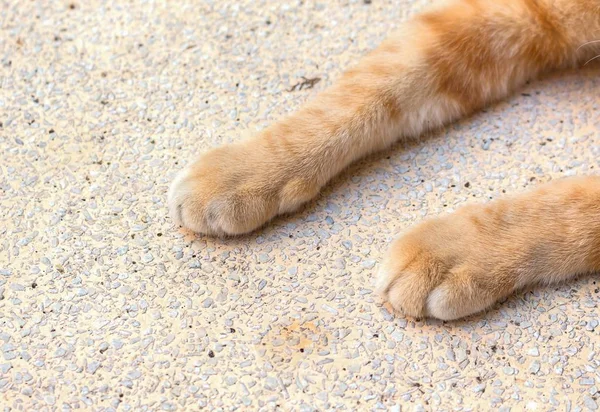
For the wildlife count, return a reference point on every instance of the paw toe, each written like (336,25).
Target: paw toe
(406,288)
(186,205)
(177,195)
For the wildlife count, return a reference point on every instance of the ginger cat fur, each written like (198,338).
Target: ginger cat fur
(444,64)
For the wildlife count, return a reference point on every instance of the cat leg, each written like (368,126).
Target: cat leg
(459,264)
(442,65)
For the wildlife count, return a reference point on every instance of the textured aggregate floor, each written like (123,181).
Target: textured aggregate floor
(104,305)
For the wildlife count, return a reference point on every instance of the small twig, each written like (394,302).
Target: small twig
(305,84)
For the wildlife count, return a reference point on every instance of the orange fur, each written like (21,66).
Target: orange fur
(481,253)
(444,64)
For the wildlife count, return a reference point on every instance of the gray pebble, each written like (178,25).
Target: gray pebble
(92,367)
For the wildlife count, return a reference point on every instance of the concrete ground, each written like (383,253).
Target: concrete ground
(104,305)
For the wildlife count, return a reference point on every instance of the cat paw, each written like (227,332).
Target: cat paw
(235,189)
(444,268)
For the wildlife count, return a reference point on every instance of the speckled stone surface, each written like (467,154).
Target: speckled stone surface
(104,305)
